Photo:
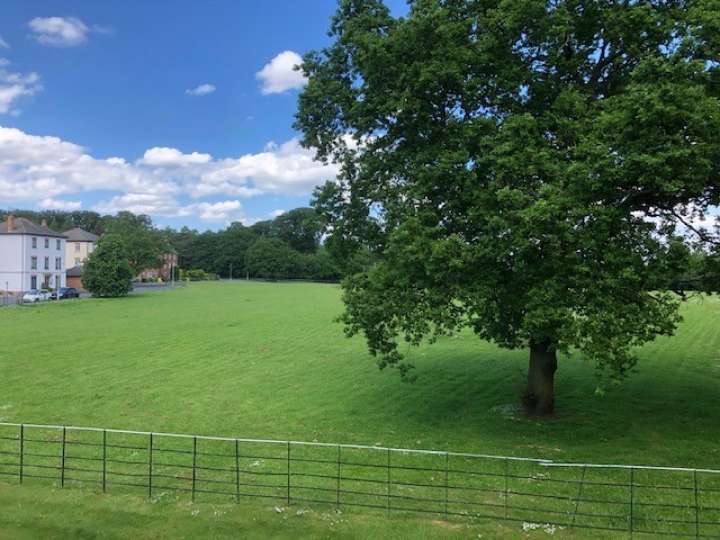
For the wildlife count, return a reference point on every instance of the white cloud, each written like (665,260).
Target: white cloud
(57,204)
(277,213)
(14,86)
(59,31)
(221,211)
(48,169)
(157,204)
(280,74)
(172,157)
(284,169)
(4,44)
(202,90)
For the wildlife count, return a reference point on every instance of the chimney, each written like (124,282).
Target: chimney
(44,223)
(10,223)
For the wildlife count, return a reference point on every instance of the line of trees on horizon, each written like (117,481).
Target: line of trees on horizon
(289,246)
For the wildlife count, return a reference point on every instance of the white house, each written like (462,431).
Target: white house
(31,256)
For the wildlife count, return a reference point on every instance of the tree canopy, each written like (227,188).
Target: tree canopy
(533,170)
(107,272)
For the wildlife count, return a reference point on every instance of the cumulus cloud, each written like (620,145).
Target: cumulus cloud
(280,74)
(147,202)
(57,204)
(59,31)
(4,44)
(221,211)
(50,169)
(14,86)
(284,169)
(172,157)
(277,213)
(202,90)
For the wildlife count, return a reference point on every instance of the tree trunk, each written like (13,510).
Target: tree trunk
(539,398)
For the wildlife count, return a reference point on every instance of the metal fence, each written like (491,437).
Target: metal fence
(632,500)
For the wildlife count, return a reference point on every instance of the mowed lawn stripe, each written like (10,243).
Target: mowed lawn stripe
(268,360)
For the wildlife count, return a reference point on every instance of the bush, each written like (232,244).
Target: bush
(107,272)
(198,275)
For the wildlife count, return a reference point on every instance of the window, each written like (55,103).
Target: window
(47,243)
(33,263)
(57,245)
(77,261)
(47,263)
(33,282)
(58,263)
(34,243)
(77,247)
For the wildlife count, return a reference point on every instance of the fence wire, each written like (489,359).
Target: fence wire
(637,500)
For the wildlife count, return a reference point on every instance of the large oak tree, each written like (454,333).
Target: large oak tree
(533,170)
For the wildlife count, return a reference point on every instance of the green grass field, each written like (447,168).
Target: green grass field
(258,360)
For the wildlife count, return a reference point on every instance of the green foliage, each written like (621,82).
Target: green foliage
(524,169)
(198,275)
(270,258)
(107,272)
(61,221)
(144,244)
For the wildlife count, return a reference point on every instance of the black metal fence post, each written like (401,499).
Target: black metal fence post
(104,461)
(150,465)
(288,472)
(237,471)
(447,484)
(22,451)
(194,465)
(337,483)
(62,463)
(697,505)
(632,500)
(388,480)
(505,492)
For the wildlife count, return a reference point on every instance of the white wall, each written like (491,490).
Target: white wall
(16,253)
(11,276)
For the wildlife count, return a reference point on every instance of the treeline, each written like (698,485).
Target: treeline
(287,247)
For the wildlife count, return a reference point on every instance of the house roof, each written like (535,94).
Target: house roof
(80,235)
(25,226)
(75,271)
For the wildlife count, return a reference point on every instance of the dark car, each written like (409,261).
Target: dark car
(66,292)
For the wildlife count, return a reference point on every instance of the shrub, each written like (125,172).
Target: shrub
(107,271)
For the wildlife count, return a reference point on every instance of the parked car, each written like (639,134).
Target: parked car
(66,292)
(36,295)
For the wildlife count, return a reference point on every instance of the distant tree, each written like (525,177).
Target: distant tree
(270,258)
(231,247)
(107,272)
(144,244)
(61,221)
(318,266)
(300,228)
(530,170)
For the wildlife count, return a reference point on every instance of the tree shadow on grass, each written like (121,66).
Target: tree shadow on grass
(663,414)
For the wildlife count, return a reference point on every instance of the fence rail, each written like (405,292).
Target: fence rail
(630,499)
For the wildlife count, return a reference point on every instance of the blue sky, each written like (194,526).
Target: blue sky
(179,109)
